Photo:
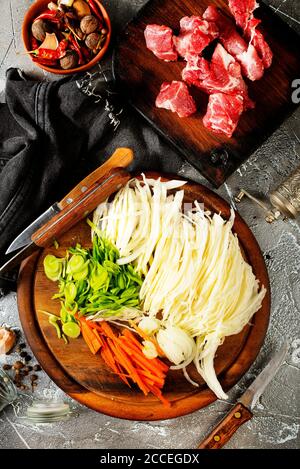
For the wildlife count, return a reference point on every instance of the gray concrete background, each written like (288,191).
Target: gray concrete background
(276,419)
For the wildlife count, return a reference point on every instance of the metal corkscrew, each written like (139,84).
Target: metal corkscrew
(284,200)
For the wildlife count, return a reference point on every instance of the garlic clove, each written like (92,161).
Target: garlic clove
(7,340)
(50,42)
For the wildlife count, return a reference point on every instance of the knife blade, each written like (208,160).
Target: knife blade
(121,158)
(256,389)
(241,412)
(70,215)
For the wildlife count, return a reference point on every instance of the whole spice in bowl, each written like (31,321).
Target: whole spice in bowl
(66,36)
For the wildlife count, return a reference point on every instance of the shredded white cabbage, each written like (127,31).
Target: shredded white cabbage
(196,278)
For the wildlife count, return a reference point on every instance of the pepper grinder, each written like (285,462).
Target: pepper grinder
(284,200)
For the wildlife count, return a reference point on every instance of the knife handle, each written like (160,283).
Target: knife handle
(80,208)
(227,427)
(121,158)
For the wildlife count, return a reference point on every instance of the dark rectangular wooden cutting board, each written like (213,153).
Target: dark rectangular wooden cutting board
(141,74)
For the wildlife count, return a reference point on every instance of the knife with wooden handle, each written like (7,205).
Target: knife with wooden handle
(82,200)
(241,412)
(227,427)
(121,158)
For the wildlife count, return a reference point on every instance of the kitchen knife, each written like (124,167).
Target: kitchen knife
(241,412)
(70,215)
(121,158)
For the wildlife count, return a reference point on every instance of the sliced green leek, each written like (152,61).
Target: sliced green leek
(71,329)
(91,281)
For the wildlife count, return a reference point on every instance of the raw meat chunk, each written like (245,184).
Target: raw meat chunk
(242,11)
(175,96)
(223,74)
(233,42)
(223,113)
(196,71)
(159,39)
(195,34)
(257,39)
(263,48)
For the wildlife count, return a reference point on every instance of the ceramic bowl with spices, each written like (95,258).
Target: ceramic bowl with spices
(66,36)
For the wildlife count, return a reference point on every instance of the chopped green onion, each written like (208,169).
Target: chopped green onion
(71,329)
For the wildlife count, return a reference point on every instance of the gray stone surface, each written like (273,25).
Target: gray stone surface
(277,415)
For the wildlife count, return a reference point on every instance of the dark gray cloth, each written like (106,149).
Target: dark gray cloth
(52,134)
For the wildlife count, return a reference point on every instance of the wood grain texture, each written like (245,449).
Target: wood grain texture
(141,74)
(121,158)
(77,369)
(222,433)
(80,208)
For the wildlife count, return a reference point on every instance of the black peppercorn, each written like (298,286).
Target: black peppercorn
(18,365)
(6,366)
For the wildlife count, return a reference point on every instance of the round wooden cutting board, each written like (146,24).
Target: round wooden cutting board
(86,378)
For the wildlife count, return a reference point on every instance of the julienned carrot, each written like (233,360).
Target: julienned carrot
(146,337)
(90,338)
(123,354)
(157,392)
(149,375)
(140,359)
(108,330)
(94,325)
(88,342)
(155,365)
(125,362)
(109,359)
(151,363)
(130,336)
(142,363)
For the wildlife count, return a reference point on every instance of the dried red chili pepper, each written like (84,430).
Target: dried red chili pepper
(62,47)
(48,62)
(96,12)
(50,54)
(50,15)
(75,46)
(86,53)
(46,54)
(33,43)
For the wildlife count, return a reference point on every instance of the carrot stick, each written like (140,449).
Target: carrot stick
(159,381)
(158,362)
(108,330)
(130,336)
(95,332)
(96,326)
(154,364)
(108,357)
(146,337)
(130,345)
(88,339)
(88,343)
(149,382)
(145,365)
(144,362)
(124,360)
(157,392)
